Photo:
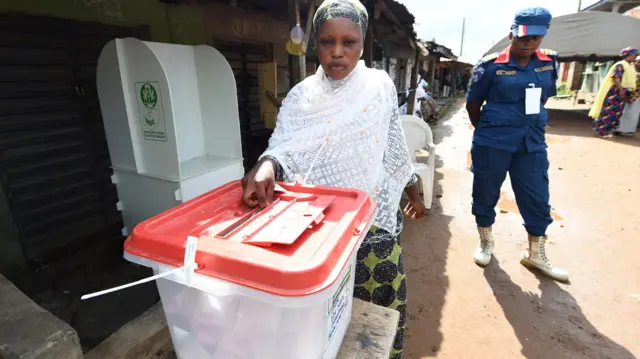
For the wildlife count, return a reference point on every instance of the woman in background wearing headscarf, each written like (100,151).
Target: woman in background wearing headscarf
(631,114)
(428,105)
(615,91)
(341,128)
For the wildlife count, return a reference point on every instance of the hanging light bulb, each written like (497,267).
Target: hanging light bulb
(295,49)
(297,34)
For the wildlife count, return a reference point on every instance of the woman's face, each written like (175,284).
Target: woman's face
(339,47)
(630,59)
(525,46)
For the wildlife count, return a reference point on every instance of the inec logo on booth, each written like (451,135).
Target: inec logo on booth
(149,98)
(148,95)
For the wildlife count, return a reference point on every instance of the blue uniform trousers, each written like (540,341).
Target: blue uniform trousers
(529,179)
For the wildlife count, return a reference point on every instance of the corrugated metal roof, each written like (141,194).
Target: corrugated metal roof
(607,5)
(440,50)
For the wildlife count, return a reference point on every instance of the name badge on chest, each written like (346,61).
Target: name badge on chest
(533,95)
(545,68)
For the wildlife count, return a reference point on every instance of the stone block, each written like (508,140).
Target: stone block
(30,332)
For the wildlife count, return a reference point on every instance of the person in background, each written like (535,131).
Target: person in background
(509,136)
(422,80)
(341,128)
(465,79)
(428,105)
(429,108)
(417,104)
(447,84)
(616,89)
(631,115)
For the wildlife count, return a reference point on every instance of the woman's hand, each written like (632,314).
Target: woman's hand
(415,209)
(624,95)
(258,184)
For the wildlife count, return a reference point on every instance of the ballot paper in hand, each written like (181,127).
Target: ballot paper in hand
(532,100)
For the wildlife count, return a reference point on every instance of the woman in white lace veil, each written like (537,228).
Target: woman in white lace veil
(340,128)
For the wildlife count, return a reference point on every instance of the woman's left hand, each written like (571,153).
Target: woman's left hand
(415,209)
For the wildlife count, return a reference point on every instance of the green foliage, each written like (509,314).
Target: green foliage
(563,89)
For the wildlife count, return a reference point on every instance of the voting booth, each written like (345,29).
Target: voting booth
(171,119)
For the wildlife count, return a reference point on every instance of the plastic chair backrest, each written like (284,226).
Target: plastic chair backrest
(417,133)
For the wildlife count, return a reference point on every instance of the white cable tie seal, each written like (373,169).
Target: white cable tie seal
(188,269)
(190,264)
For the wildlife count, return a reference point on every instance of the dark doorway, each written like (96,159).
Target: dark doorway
(245,58)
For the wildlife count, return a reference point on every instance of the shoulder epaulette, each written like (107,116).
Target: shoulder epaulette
(488,58)
(549,52)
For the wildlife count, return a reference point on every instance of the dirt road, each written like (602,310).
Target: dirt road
(458,310)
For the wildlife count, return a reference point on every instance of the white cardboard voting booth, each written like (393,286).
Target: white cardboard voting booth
(171,118)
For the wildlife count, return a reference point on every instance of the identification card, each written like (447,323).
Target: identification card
(532,100)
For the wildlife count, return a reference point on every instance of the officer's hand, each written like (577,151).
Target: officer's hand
(259,184)
(415,209)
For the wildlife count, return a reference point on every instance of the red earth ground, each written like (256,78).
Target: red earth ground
(459,310)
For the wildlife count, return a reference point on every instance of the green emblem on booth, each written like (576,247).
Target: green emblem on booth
(149,121)
(148,95)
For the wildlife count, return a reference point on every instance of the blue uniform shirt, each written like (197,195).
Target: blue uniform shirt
(501,83)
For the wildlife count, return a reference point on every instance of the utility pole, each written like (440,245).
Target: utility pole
(414,84)
(579,5)
(462,40)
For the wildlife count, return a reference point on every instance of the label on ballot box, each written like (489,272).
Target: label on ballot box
(337,307)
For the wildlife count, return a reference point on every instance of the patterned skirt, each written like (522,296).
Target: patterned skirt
(380,278)
(609,118)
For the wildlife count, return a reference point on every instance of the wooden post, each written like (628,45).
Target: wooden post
(303,67)
(294,60)
(305,44)
(414,83)
(308,27)
(434,90)
(433,72)
(377,9)
(368,45)
(268,87)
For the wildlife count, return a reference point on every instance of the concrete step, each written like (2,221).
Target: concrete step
(29,331)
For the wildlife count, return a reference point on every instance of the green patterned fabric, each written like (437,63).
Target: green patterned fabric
(381,279)
(348,9)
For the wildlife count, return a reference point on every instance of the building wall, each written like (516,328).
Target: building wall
(226,22)
(139,12)
(189,25)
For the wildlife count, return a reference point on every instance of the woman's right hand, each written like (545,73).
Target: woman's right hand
(624,96)
(259,184)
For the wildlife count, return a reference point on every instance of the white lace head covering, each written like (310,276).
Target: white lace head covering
(348,9)
(346,134)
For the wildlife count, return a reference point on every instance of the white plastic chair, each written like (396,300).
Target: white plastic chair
(419,137)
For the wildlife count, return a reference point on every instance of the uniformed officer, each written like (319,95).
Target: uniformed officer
(514,86)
